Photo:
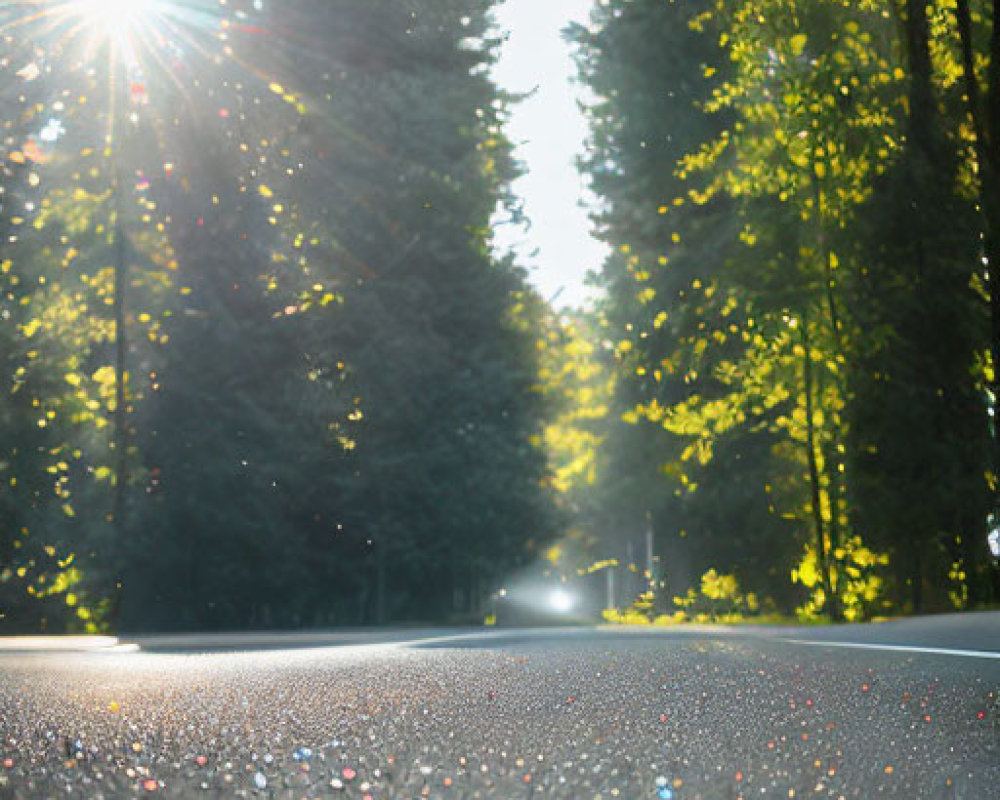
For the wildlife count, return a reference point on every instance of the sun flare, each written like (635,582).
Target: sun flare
(113,18)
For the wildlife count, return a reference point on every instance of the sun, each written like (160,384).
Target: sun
(113,18)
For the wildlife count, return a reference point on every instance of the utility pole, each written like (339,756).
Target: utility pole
(381,543)
(628,582)
(650,555)
(380,581)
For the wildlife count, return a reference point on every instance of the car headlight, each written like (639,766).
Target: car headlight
(561,601)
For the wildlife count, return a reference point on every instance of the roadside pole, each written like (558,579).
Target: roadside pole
(650,558)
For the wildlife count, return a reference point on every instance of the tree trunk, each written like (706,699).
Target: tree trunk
(119,440)
(922,104)
(916,579)
(986,129)
(826,574)
(837,500)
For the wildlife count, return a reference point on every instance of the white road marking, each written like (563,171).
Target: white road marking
(27,644)
(901,648)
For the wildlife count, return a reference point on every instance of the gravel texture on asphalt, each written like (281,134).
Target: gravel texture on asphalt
(591,714)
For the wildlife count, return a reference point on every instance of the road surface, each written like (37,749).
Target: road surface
(905,711)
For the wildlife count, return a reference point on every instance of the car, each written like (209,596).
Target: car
(541,601)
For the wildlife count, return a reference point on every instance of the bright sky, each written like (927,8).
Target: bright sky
(549,132)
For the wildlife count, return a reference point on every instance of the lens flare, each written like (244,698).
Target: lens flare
(561,601)
(114,18)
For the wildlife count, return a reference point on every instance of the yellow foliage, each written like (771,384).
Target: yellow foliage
(719,587)
(627,617)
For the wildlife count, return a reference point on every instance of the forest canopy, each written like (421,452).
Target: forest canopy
(261,364)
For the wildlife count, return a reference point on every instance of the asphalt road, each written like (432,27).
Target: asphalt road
(713,713)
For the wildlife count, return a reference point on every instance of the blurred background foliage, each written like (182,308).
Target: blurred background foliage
(329,381)
(262,368)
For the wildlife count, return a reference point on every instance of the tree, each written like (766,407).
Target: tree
(768,291)
(331,398)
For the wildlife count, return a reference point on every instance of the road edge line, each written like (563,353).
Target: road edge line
(899,648)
